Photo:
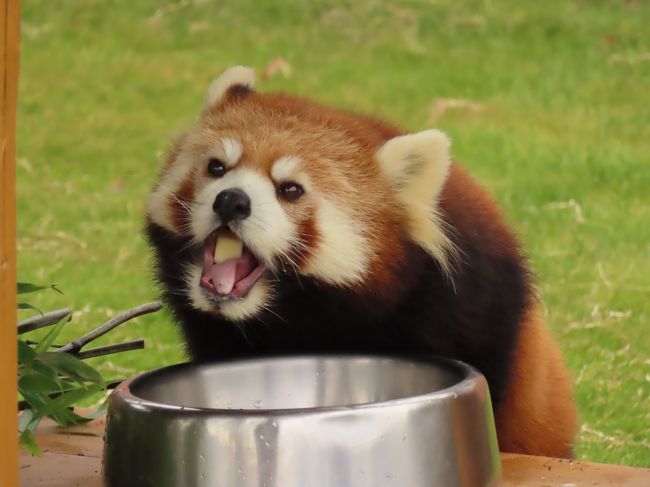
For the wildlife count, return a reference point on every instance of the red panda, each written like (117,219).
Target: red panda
(280,225)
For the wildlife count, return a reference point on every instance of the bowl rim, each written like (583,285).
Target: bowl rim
(471,379)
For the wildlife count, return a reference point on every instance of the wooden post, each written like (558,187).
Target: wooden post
(9,18)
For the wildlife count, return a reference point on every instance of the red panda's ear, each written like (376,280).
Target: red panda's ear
(417,165)
(237,76)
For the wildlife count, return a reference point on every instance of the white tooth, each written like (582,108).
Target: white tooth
(228,246)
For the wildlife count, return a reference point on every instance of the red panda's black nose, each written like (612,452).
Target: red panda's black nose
(232,204)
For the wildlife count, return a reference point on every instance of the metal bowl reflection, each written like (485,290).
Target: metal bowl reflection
(307,421)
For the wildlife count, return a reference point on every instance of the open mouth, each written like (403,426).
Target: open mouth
(230,269)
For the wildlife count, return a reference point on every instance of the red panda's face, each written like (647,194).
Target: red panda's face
(269,186)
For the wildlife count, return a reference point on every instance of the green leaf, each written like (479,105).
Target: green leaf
(101,409)
(29,306)
(28,287)
(28,442)
(25,419)
(48,371)
(69,398)
(41,406)
(46,342)
(66,417)
(26,354)
(35,382)
(71,366)
(58,408)
(36,400)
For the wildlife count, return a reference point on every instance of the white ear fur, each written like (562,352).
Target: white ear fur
(417,162)
(418,165)
(237,75)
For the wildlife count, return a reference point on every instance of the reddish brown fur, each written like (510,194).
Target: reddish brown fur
(309,237)
(537,414)
(179,203)
(472,209)
(273,125)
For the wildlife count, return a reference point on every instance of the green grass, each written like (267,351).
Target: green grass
(562,140)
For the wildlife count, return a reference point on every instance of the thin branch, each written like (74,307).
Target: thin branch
(119,347)
(22,405)
(76,345)
(41,321)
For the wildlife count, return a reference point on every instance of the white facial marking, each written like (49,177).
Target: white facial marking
(284,167)
(267,231)
(232,151)
(258,298)
(194,291)
(342,253)
(237,75)
(170,182)
(240,309)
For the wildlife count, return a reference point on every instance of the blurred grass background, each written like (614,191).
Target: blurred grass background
(548,104)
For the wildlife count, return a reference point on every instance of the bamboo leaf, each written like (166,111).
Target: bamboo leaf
(46,342)
(26,354)
(96,413)
(36,401)
(56,406)
(28,442)
(37,383)
(28,287)
(48,371)
(71,366)
(25,419)
(29,306)
(66,417)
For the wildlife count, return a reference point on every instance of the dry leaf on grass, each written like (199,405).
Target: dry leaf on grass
(600,319)
(442,105)
(634,58)
(571,204)
(278,65)
(200,26)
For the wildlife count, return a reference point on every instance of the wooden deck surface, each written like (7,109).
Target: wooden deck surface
(73,458)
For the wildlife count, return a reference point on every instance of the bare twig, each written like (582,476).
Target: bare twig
(36,342)
(22,405)
(41,321)
(120,347)
(76,345)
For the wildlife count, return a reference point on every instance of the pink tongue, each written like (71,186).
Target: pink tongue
(224,276)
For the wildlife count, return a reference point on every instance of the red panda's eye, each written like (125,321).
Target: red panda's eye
(290,191)
(216,167)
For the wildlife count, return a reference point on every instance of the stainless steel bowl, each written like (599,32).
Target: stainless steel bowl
(309,421)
